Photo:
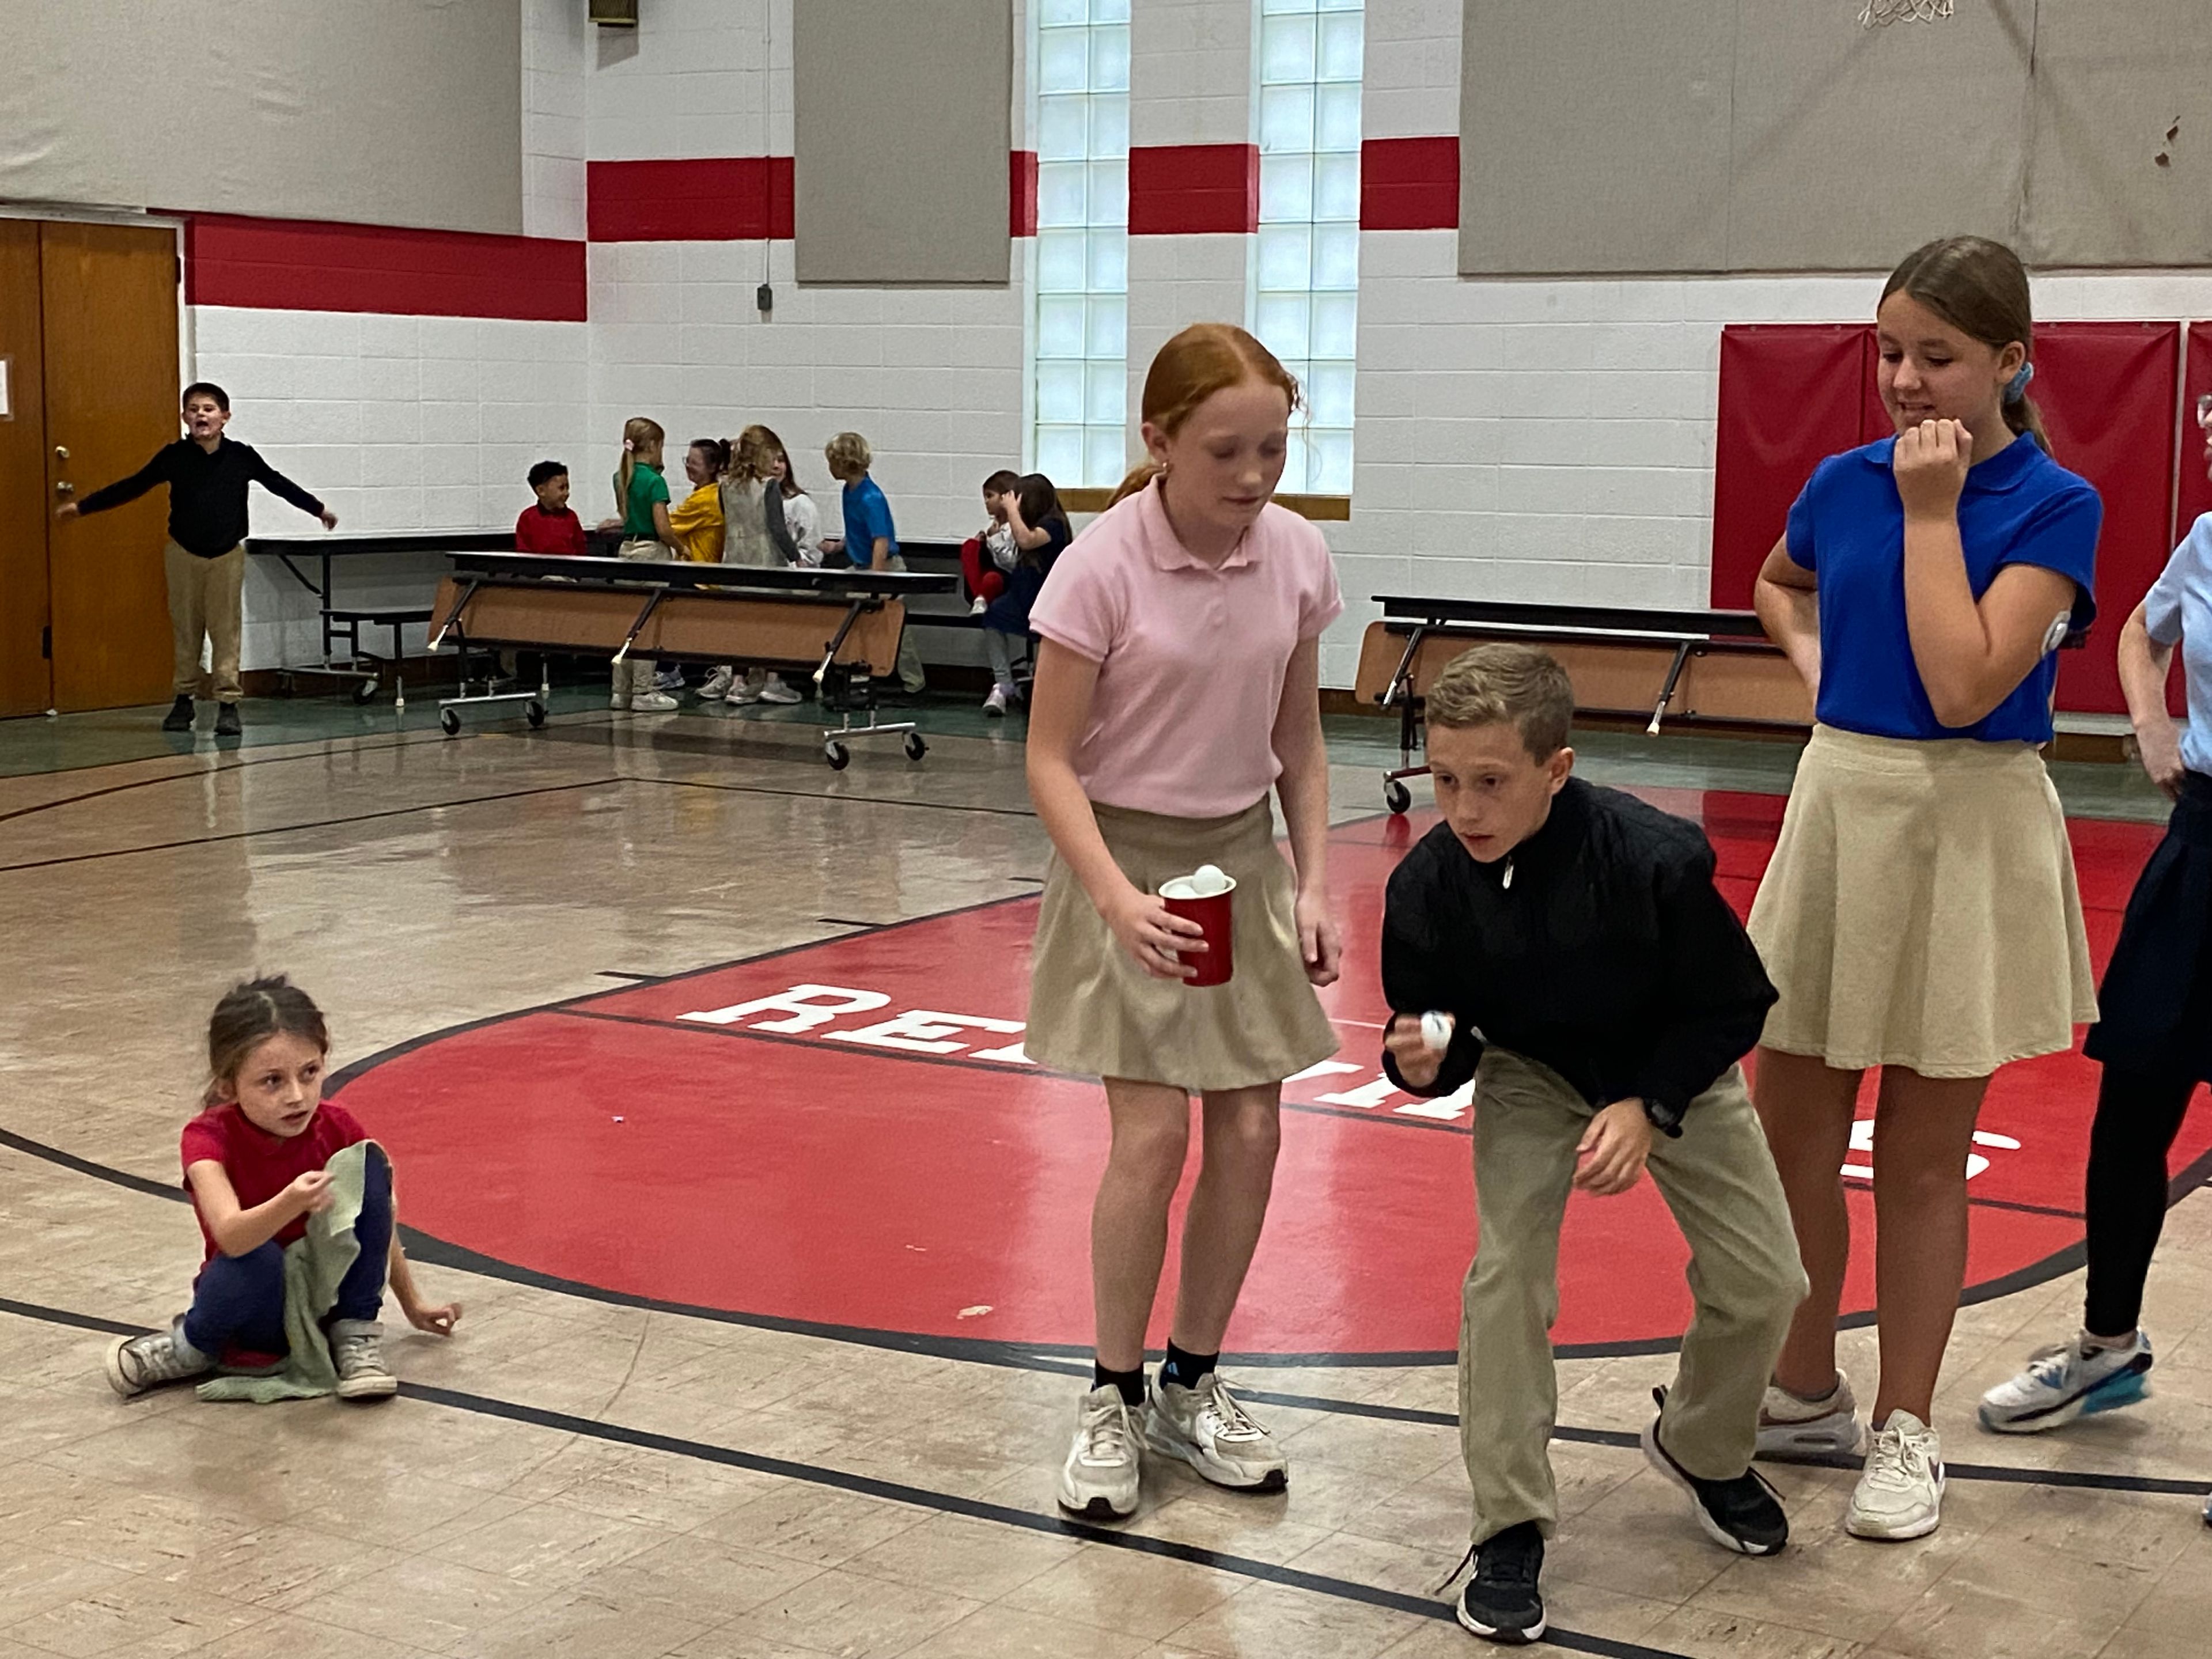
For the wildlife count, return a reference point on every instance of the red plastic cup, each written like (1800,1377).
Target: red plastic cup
(1210,911)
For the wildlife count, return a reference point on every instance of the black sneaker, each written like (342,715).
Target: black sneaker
(226,720)
(179,717)
(1500,1602)
(1743,1514)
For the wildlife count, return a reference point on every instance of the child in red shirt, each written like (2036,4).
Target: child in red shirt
(254,1165)
(552,526)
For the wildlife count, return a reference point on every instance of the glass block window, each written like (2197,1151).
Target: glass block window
(1082,72)
(1305,272)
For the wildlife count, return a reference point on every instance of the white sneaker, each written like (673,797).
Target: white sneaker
(979,607)
(996,702)
(1829,1426)
(776,691)
(717,685)
(136,1363)
(1205,1427)
(653,702)
(1900,1495)
(1100,1478)
(620,701)
(2067,1381)
(745,692)
(357,1350)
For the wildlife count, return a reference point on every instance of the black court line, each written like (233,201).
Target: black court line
(622,973)
(921,1497)
(319,823)
(1064,1361)
(847,922)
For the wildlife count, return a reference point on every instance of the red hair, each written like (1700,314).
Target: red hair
(1204,359)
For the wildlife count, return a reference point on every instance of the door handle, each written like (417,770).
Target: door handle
(65,487)
(61,452)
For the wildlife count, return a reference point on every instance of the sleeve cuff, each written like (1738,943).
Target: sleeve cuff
(1665,1110)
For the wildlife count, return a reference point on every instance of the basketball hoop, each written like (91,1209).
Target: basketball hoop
(1881,14)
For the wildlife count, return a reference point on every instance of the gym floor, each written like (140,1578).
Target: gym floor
(772,1336)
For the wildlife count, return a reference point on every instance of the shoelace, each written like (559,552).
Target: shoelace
(1463,1562)
(1106,1435)
(349,1350)
(1898,1462)
(1228,1414)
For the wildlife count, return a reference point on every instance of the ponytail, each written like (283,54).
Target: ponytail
(1141,476)
(2022,415)
(638,432)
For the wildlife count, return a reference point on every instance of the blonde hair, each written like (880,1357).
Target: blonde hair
(1980,287)
(1204,359)
(847,452)
(638,435)
(1495,683)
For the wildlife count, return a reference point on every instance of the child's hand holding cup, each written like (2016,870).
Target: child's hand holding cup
(1417,1042)
(1203,897)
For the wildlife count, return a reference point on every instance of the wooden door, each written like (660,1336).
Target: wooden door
(109,304)
(26,684)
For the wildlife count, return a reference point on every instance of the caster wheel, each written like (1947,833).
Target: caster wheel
(915,748)
(365,691)
(534,712)
(1396,796)
(837,755)
(451,721)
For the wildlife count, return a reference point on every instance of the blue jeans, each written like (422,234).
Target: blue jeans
(239,1302)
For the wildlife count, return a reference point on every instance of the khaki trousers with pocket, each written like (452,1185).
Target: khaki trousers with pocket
(204,603)
(1718,1179)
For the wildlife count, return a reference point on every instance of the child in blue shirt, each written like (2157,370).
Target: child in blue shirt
(870,542)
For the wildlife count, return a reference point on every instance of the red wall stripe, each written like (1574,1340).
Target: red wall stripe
(1409,184)
(1022,193)
(1192,190)
(294,265)
(738,198)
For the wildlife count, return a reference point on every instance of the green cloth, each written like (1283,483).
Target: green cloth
(314,1264)
(647,486)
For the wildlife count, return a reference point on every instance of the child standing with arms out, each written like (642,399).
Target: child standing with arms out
(1178,686)
(255,1164)
(1920,914)
(1599,993)
(550,526)
(643,495)
(869,541)
(1036,526)
(207,475)
(989,554)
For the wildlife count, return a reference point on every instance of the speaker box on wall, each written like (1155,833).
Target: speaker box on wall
(614,14)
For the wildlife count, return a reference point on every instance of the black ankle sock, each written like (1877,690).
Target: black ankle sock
(1184,1368)
(1131,1383)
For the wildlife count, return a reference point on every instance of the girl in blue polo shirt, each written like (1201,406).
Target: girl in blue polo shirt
(1920,914)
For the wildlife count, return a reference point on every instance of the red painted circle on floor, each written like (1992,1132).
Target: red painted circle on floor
(867,1166)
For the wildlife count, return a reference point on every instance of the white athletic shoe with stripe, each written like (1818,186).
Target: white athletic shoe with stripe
(2066,1381)
(1100,1478)
(1900,1495)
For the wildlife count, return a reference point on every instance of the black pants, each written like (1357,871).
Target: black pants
(2139,1116)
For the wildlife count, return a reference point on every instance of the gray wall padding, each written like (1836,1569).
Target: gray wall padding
(376,111)
(903,126)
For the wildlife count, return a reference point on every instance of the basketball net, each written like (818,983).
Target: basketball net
(1879,14)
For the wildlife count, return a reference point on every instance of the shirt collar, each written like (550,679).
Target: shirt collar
(1165,547)
(2000,472)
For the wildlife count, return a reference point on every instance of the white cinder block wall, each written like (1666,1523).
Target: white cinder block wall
(1516,439)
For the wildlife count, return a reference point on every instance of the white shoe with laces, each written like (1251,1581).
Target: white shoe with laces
(357,1351)
(1790,1425)
(1205,1427)
(717,685)
(979,607)
(2066,1381)
(1900,1494)
(1100,1479)
(776,691)
(652,702)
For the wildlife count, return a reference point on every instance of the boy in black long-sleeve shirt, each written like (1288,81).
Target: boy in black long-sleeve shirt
(1599,993)
(207,475)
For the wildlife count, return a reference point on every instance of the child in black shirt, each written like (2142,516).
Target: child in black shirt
(1599,993)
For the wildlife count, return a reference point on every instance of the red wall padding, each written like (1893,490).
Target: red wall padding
(1788,397)
(289,264)
(2196,380)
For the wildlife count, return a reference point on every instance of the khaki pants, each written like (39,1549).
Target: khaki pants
(203,602)
(1720,1181)
(633,675)
(909,655)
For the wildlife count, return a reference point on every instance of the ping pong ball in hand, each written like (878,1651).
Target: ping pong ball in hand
(1208,880)
(1436,1032)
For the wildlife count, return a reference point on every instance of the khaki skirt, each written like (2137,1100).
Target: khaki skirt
(1920,909)
(1093,1010)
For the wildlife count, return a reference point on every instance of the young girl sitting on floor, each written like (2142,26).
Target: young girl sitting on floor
(255,1163)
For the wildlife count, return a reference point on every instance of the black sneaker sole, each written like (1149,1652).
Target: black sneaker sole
(1654,1454)
(1501,1634)
(1096,1509)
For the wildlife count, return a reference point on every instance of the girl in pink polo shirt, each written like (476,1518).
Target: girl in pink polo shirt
(1177,685)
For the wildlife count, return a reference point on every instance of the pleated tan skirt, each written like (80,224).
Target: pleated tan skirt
(1094,1010)
(1921,910)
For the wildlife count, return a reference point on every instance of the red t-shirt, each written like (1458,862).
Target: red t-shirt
(261,1165)
(539,532)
